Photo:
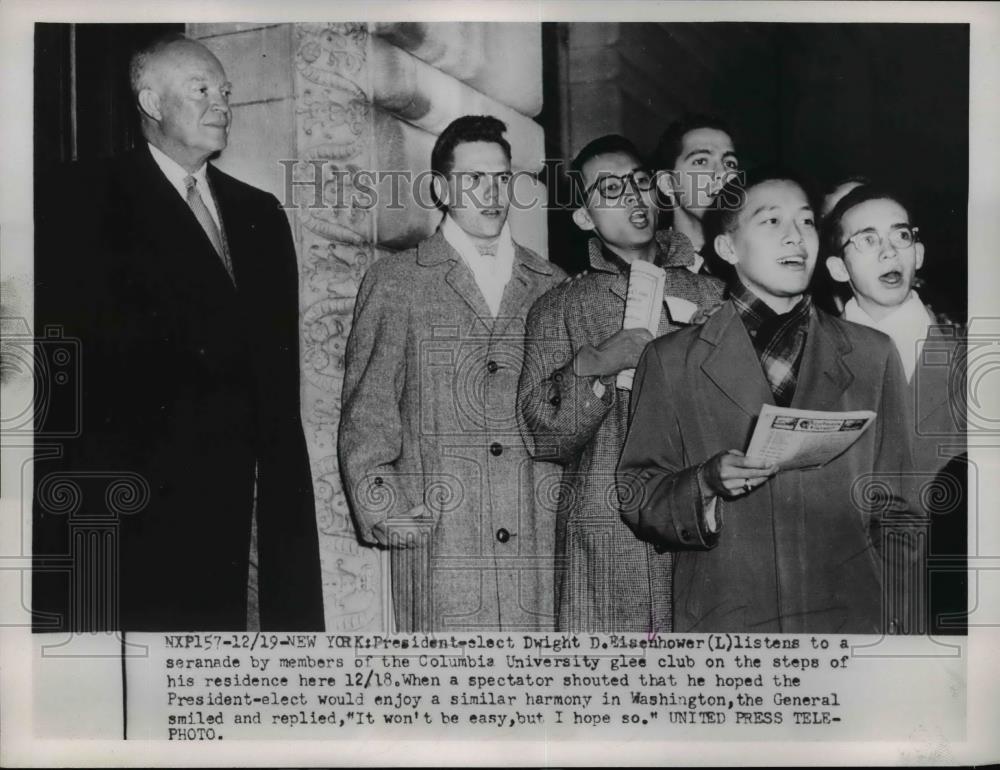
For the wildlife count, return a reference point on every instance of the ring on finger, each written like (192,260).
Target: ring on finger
(746,485)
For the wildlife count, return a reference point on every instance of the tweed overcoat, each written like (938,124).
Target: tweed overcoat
(428,425)
(608,580)
(805,552)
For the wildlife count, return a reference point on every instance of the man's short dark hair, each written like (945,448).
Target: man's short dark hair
(729,203)
(468,128)
(833,234)
(672,141)
(602,145)
(858,179)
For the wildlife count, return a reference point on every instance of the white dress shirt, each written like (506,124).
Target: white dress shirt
(492,273)
(175,174)
(907,326)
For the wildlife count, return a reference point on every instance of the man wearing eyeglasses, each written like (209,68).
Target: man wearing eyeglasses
(433,464)
(760,548)
(873,247)
(573,411)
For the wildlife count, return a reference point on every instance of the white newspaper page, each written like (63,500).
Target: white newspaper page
(642,306)
(800,438)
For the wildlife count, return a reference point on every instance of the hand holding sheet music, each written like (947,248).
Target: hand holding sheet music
(801,438)
(642,306)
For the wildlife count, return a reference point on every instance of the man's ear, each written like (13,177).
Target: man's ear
(440,187)
(665,184)
(919,255)
(582,219)
(149,103)
(837,269)
(724,248)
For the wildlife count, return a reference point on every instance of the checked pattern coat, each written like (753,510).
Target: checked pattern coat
(607,579)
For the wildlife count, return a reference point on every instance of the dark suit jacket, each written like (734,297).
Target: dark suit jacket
(937,398)
(805,552)
(938,424)
(188,385)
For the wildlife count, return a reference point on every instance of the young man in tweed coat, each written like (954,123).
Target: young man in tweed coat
(433,464)
(573,413)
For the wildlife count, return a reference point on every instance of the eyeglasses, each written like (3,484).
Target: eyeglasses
(869,243)
(613,187)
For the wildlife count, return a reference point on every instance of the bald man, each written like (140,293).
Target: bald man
(181,284)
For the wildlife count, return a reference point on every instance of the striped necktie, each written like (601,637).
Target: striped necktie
(204,218)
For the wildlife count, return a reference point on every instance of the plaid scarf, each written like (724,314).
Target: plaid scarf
(778,339)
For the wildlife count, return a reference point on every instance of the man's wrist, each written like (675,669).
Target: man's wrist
(709,501)
(585,362)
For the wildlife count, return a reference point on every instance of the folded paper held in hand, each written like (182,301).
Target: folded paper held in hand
(643,303)
(801,438)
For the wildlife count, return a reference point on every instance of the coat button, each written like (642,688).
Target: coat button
(685,535)
(503,535)
(555,400)
(495,449)
(492,367)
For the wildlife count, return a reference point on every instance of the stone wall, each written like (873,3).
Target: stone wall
(354,96)
(635,78)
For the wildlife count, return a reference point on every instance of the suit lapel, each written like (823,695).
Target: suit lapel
(733,365)
(521,289)
(619,287)
(167,224)
(464,284)
(823,374)
(518,291)
(435,251)
(930,388)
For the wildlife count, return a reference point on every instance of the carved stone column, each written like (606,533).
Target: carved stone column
(315,102)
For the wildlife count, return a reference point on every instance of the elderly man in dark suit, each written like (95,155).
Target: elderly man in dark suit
(180,283)
(433,464)
(575,414)
(760,549)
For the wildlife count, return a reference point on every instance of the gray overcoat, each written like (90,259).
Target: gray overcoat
(834,549)
(609,580)
(428,426)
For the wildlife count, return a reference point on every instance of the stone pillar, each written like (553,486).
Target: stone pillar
(329,98)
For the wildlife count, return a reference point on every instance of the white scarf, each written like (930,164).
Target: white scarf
(491,273)
(906,325)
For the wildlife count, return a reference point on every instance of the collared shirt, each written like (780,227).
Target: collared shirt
(176,174)
(907,325)
(492,273)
